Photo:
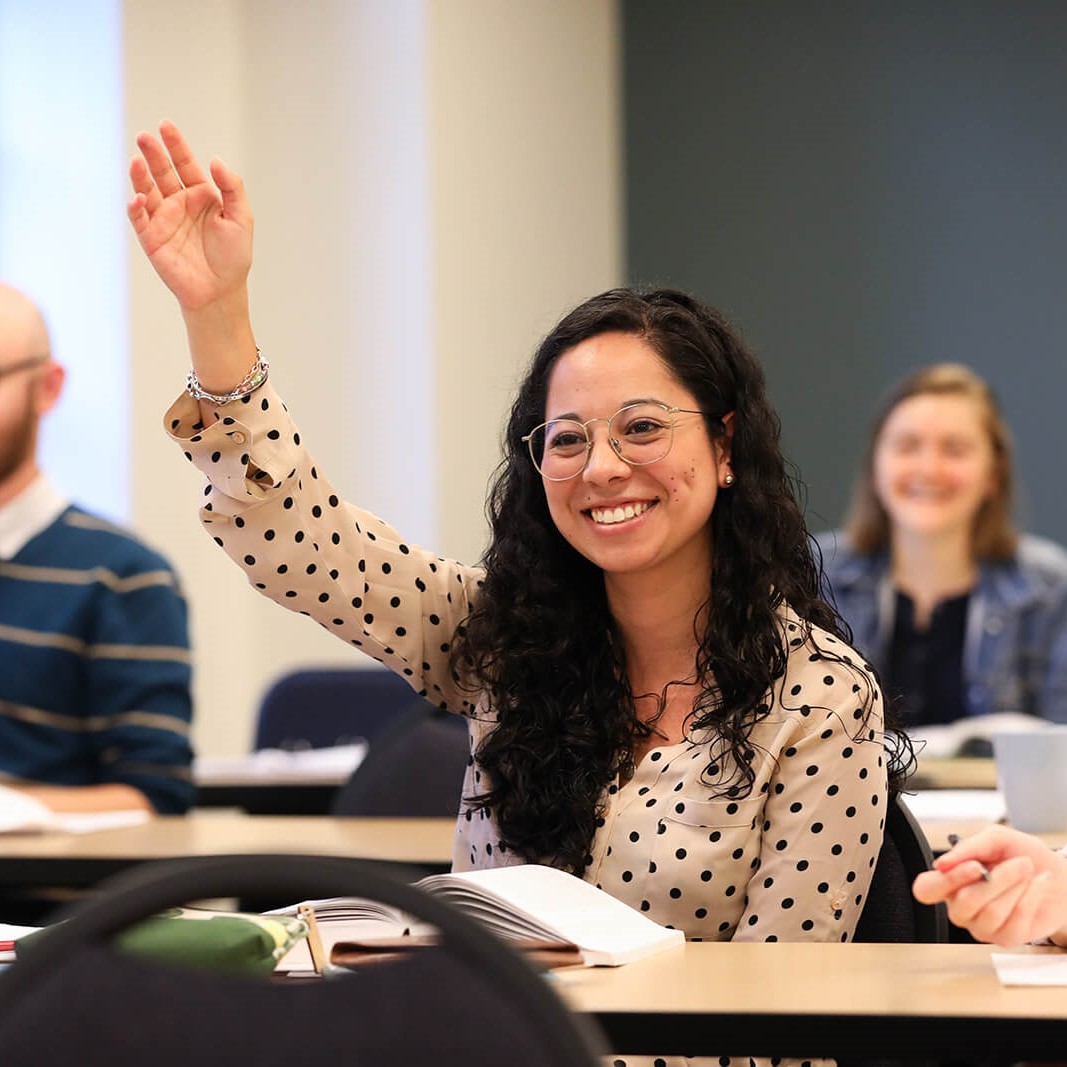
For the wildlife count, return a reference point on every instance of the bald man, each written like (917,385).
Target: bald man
(95,702)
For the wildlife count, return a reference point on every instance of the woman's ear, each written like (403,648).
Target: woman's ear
(724,448)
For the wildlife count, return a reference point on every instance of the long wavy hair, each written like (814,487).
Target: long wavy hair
(540,640)
(867,525)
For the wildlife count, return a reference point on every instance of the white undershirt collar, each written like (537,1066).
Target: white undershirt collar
(33,510)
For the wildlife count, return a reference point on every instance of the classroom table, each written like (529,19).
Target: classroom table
(273,782)
(313,793)
(955,773)
(807,1000)
(78,861)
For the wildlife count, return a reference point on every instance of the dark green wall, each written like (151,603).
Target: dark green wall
(863,188)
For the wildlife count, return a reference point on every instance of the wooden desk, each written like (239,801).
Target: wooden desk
(809,1000)
(81,860)
(954,774)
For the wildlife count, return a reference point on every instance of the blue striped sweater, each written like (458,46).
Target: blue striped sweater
(94,664)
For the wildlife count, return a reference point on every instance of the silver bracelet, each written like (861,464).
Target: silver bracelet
(249,384)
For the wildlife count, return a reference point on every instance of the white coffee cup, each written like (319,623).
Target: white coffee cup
(1032,771)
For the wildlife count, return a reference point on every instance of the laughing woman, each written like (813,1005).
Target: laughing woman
(659,700)
(961,615)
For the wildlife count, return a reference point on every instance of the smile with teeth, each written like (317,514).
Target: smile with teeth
(610,516)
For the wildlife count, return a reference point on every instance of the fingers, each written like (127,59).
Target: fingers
(137,214)
(168,167)
(159,165)
(989,909)
(147,194)
(932,887)
(1022,922)
(184,163)
(234,201)
(1001,910)
(991,845)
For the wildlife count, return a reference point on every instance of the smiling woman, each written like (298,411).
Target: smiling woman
(961,615)
(659,699)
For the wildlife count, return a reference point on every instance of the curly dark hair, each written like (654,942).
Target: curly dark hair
(540,641)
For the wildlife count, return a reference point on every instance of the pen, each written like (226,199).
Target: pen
(954,840)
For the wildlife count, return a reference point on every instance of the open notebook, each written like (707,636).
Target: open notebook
(528,904)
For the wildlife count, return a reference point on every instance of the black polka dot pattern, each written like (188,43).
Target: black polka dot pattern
(791,861)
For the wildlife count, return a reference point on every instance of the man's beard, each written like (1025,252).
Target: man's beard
(18,444)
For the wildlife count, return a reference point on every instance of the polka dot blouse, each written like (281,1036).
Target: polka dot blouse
(791,861)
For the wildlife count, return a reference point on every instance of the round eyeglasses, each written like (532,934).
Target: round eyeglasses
(639,434)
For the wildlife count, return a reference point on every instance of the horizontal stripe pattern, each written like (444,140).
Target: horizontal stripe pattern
(146,770)
(20,636)
(94,723)
(91,576)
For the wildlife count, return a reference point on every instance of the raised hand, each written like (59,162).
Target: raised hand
(196,231)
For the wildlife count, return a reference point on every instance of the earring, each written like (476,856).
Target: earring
(728,480)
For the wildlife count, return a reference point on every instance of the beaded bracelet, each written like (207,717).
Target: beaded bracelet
(249,384)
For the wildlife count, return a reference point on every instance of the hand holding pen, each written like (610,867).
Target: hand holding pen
(1002,885)
(983,870)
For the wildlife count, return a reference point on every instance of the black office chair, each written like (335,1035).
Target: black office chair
(74,998)
(319,708)
(413,767)
(891,912)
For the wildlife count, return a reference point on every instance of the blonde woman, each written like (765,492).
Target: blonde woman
(961,614)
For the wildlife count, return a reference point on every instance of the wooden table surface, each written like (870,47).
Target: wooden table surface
(806,1000)
(79,860)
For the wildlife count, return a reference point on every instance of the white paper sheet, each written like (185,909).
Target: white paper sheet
(1031,968)
(267,765)
(930,805)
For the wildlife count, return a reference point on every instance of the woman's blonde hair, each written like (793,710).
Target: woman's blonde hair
(995,536)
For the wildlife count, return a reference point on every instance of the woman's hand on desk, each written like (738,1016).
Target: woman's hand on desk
(1024,898)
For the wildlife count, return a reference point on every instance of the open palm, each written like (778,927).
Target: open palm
(196,231)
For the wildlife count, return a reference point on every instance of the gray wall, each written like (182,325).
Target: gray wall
(863,188)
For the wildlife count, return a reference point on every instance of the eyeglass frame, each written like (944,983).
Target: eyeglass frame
(24,364)
(669,409)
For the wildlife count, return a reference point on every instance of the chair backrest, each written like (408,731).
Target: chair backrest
(414,767)
(319,708)
(891,912)
(76,999)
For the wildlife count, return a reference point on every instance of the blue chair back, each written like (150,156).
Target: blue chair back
(319,708)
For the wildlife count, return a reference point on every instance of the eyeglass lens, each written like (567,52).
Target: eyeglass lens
(640,434)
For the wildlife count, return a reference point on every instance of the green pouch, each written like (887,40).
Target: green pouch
(233,942)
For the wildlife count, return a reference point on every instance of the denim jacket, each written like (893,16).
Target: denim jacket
(1015,647)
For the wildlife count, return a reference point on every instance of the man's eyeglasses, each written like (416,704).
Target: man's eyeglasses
(639,434)
(23,364)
